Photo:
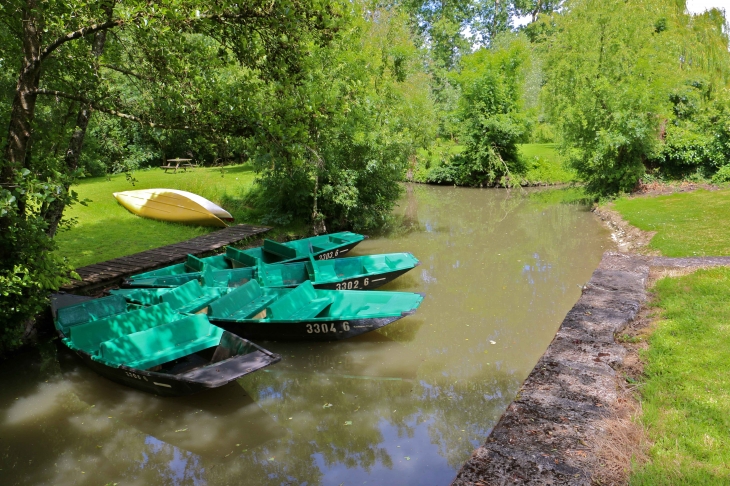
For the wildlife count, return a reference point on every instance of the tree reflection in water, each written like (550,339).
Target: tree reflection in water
(406,404)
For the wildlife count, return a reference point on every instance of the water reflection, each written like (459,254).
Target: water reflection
(406,404)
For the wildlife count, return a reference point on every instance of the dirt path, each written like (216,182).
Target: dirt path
(572,414)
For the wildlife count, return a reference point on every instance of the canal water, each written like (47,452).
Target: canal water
(403,405)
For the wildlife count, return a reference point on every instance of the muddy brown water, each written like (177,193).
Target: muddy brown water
(404,405)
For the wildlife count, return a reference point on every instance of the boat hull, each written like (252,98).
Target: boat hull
(312,330)
(167,385)
(362,283)
(340,252)
(170,206)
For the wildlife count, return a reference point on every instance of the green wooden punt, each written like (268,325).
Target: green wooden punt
(325,247)
(353,273)
(304,313)
(157,348)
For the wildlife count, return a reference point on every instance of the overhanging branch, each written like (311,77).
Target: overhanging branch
(77,34)
(91,29)
(125,71)
(110,111)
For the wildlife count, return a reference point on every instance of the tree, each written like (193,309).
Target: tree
(340,144)
(490,111)
(613,70)
(59,48)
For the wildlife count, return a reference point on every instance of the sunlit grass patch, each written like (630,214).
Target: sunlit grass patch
(686,393)
(106,230)
(687,224)
(544,164)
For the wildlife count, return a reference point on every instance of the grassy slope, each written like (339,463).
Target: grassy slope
(687,224)
(686,390)
(106,230)
(686,397)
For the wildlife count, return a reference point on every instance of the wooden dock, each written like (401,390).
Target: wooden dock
(112,272)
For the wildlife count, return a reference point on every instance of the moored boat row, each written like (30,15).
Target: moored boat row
(187,327)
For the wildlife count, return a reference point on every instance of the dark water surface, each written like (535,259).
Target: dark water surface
(405,405)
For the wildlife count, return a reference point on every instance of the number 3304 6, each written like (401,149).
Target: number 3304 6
(325,327)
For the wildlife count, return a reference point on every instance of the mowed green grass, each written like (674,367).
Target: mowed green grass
(544,164)
(687,224)
(686,393)
(106,230)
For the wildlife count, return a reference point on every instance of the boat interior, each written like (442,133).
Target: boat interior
(251,301)
(155,338)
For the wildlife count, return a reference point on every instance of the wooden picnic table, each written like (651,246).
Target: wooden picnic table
(183,164)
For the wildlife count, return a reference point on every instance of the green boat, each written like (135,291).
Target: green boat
(325,247)
(353,273)
(304,313)
(157,349)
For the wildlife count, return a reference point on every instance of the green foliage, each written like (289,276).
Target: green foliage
(684,395)
(491,123)
(544,165)
(29,270)
(183,65)
(622,90)
(697,136)
(687,224)
(339,145)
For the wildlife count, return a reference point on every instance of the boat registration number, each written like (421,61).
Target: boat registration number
(352,284)
(325,327)
(328,255)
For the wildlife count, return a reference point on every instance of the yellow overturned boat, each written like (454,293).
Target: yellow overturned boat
(174,206)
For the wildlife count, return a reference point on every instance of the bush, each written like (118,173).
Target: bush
(491,122)
(29,269)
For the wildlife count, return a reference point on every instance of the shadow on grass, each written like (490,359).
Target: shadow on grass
(90,243)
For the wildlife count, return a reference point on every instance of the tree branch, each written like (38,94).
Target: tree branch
(109,111)
(77,34)
(124,71)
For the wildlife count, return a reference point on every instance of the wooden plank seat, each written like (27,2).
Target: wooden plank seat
(324,270)
(254,307)
(281,275)
(151,296)
(161,344)
(194,264)
(247,300)
(301,301)
(385,264)
(190,297)
(88,337)
(240,259)
(91,310)
(279,249)
(312,309)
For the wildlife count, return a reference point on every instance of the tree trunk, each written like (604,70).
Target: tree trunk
(71,160)
(23,107)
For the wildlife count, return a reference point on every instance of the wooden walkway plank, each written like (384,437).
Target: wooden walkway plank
(114,271)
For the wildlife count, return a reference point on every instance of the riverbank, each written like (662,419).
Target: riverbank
(570,421)
(574,420)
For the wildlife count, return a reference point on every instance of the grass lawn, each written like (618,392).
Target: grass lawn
(687,224)
(106,230)
(686,393)
(544,164)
